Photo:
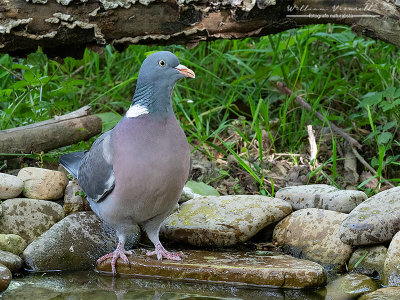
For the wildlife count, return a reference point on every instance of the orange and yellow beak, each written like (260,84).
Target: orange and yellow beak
(185,71)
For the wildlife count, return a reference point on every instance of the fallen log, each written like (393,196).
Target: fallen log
(51,134)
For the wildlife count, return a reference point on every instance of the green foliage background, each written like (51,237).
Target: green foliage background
(353,81)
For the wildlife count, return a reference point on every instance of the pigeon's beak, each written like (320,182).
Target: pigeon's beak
(185,71)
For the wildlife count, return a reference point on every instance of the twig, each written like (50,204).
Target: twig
(11,72)
(313,147)
(367,165)
(79,69)
(307,106)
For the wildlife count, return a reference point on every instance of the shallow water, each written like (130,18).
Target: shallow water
(90,285)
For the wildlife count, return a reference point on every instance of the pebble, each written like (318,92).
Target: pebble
(29,218)
(10,186)
(374,221)
(321,196)
(43,184)
(313,234)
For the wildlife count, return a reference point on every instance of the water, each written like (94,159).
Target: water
(89,285)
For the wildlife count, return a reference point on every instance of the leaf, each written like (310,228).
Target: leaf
(371,98)
(384,137)
(389,125)
(201,188)
(109,119)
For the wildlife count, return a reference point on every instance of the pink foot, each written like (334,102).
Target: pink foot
(162,253)
(118,253)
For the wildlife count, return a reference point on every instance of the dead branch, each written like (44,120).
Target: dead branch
(282,87)
(51,134)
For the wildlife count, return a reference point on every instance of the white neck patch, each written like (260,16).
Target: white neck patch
(136,111)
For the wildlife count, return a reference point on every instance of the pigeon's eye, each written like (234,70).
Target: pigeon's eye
(162,63)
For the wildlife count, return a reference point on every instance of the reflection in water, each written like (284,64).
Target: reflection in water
(90,285)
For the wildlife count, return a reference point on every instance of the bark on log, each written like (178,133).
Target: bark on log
(51,134)
(66,27)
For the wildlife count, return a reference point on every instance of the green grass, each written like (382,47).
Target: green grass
(353,81)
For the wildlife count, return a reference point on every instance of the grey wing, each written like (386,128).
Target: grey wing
(96,175)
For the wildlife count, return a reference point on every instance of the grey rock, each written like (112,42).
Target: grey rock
(42,183)
(388,293)
(223,221)
(321,196)
(29,218)
(374,221)
(10,186)
(73,200)
(13,262)
(391,270)
(5,277)
(74,243)
(12,243)
(313,234)
(370,260)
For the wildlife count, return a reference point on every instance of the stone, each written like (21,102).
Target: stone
(74,243)
(43,184)
(321,196)
(187,194)
(74,200)
(313,234)
(374,221)
(223,221)
(349,286)
(13,262)
(388,293)
(370,261)
(279,271)
(12,243)
(391,268)
(5,278)
(10,186)
(29,218)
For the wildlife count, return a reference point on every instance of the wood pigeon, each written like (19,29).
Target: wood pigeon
(135,173)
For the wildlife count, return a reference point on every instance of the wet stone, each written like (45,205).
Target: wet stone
(13,262)
(313,234)
(369,260)
(43,184)
(391,269)
(389,293)
(374,221)
(29,218)
(321,196)
(350,286)
(74,243)
(234,268)
(10,186)
(12,243)
(5,278)
(223,221)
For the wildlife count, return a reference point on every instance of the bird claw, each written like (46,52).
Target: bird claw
(120,252)
(162,253)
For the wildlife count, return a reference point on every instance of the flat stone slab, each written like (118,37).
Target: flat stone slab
(321,196)
(234,268)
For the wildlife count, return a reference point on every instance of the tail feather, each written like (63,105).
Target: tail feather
(71,162)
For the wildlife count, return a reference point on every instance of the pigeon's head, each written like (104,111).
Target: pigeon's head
(163,66)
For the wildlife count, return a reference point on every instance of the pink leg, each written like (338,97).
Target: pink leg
(162,253)
(118,253)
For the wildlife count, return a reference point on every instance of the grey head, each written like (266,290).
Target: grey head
(157,77)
